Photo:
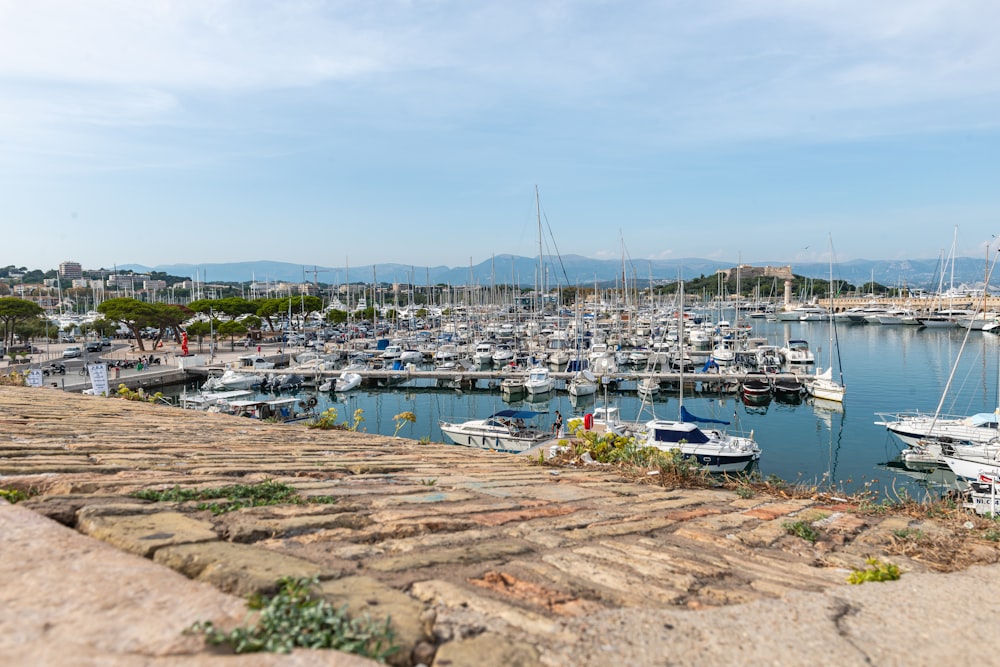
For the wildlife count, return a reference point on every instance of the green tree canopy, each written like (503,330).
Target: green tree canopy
(132,313)
(12,311)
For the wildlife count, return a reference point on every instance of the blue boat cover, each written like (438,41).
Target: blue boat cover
(709,364)
(688,417)
(518,414)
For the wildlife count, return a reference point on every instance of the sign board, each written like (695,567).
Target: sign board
(99,379)
(35,377)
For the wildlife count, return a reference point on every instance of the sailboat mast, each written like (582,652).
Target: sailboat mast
(540,279)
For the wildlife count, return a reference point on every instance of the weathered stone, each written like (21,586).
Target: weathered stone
(242,527)
(239,569)
(368,596)
(487,650)
(143,534)
(448,594)
(468,553)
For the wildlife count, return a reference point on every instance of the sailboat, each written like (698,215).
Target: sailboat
(822,385)
(964,444)
(715,449)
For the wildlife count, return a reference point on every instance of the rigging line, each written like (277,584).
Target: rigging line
(555,246)
(965,339)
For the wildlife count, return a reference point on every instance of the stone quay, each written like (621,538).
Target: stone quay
(477,558)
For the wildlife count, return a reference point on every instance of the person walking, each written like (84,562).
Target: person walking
(557,424)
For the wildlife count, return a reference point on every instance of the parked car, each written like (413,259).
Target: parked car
(72,351)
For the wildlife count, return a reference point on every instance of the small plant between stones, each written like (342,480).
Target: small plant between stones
(13,495)
(236,496)
(327,420)
(876,571)
(801,529)
(294,618)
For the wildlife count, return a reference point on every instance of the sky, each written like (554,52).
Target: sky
(416,132)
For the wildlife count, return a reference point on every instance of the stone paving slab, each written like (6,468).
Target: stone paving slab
(473,551)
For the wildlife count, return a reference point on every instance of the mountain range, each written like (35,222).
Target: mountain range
(577,270)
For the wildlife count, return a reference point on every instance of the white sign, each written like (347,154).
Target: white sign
(99,379)
(35,377)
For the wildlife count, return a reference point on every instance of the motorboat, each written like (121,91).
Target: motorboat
(647,387)
(346,381)
(539,381)
(206,401)
(284,410)
(786,386)
(503,354)
(504,431)
(512,387)
(230,380)
(483,354)
(798,352)
(716,450)
(918,429)
(411,355)
(755,384)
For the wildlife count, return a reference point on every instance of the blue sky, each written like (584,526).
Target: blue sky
(360,132)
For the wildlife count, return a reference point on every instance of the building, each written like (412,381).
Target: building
(747,272)
(154,284)
(70,270)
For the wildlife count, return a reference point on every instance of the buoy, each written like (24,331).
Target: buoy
(588,421)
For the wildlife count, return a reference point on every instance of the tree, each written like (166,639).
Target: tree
(232,328)
(167,316)
(336,316)
(132,313)
(12,311)
(199,330)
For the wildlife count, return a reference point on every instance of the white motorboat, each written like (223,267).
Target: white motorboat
(505,431)
(919,429)
(207,401)
(798,352)
(483,354)
(254,361)
(231,379)
(411,355)
(512,387)
(539,381)
(284,410)
(347,381)
(647,387)
(503,354)
(714,449)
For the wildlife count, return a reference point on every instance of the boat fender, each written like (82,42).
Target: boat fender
(311,402)
(588,421)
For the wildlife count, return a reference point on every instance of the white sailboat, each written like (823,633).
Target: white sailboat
(822,385)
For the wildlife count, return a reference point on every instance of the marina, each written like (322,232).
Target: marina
(803,439)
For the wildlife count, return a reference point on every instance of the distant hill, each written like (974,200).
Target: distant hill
(574,270)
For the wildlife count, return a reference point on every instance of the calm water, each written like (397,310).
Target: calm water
(886,369)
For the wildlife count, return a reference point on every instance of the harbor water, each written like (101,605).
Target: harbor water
(885,368)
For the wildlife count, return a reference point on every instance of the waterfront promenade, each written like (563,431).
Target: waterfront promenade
(478,558)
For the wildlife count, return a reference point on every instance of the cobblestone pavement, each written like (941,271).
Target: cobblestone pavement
(484,558)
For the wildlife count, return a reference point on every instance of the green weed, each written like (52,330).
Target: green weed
(877,571)
(801,529)
(236,496)
(294,618)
